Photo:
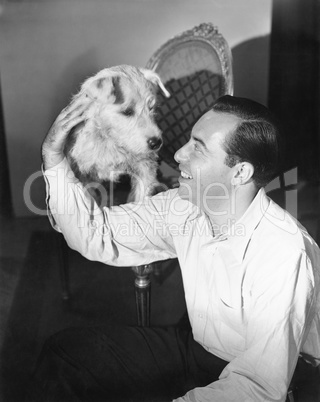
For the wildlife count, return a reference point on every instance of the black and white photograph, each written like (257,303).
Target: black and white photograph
(159,201)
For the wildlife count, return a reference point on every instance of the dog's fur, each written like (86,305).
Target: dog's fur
(119,135)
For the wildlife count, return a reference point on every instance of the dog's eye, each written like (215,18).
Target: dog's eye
(128,112)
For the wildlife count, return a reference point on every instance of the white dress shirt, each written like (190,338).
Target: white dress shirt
(252,294)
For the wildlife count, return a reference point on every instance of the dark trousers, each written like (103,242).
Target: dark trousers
(122,364)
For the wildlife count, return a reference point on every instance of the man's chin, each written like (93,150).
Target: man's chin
(184,194)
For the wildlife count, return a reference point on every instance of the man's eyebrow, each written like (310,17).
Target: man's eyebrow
(200,141)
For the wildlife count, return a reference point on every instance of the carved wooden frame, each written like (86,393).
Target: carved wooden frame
(207,36)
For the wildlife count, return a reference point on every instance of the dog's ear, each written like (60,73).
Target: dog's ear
(155,79)
(117,91)
(105,87)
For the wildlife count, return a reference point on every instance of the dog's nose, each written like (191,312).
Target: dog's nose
(154,143)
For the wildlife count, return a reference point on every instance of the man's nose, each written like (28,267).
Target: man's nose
(181,155)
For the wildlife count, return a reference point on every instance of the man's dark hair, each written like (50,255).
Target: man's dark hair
(254,140)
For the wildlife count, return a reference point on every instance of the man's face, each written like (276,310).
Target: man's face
(205,178)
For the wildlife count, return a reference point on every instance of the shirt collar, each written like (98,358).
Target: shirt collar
(241,231)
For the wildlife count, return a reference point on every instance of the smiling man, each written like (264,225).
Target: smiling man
(252,294)
(207,179)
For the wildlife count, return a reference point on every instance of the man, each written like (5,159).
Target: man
(250,272)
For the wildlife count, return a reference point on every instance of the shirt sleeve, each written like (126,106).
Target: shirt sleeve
(277,324)
(127,235)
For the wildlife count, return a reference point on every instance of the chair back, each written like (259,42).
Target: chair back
(196,68)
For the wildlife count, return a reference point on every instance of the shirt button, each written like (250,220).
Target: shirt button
(201,316)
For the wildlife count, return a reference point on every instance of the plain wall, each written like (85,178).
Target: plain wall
(49,47)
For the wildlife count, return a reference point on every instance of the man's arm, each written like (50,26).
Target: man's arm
(126,235)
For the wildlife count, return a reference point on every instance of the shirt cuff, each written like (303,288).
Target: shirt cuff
(57,179)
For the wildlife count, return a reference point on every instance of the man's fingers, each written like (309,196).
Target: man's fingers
(75,112)
(72,105)
(77,104)
(63,125)
(71,123)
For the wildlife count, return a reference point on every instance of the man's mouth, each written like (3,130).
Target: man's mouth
(185,175)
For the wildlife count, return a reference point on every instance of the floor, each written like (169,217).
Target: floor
(15,235)
(32,307)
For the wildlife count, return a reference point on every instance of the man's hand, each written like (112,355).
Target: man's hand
(53,144)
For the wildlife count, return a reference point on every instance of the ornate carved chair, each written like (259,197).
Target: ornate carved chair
(196,68)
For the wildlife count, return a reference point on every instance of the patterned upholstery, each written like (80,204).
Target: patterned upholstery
(190,98)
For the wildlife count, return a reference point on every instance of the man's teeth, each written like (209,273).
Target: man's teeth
(185,175)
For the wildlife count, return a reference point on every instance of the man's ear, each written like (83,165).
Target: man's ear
(243,172)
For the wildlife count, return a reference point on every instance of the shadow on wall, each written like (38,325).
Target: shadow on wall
(251,69)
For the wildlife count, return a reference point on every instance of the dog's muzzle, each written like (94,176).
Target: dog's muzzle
(154,143)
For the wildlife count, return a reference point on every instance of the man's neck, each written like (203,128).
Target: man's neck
(225,215)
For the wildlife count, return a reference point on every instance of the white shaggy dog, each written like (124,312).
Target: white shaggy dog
(119,135)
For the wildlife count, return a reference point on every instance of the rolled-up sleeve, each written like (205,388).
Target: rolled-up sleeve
(127,235)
